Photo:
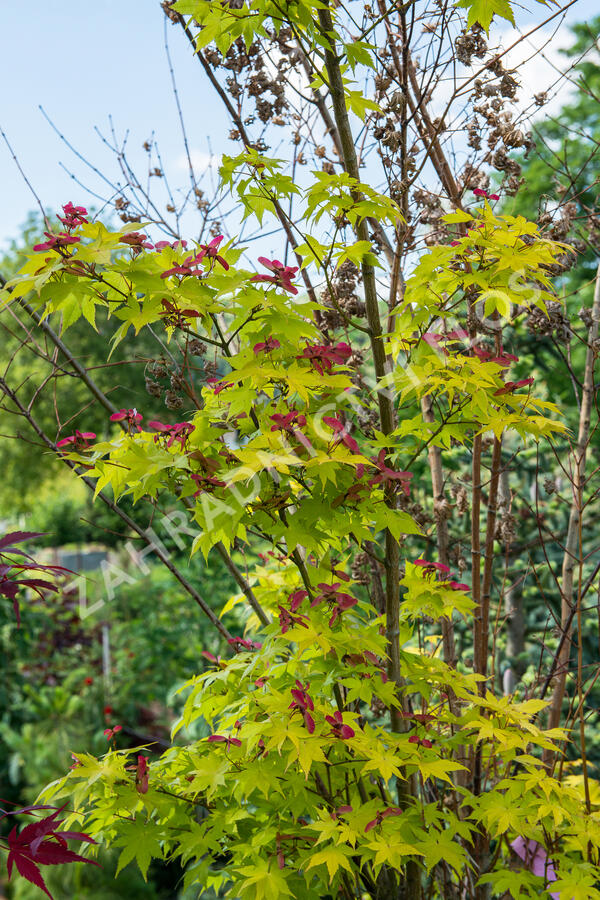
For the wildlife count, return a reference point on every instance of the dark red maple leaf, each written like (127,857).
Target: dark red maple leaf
(10,583)
(41,843)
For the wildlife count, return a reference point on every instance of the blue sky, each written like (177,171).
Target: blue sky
(86,61)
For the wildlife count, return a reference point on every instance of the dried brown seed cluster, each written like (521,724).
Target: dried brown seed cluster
(557,224)
(461,498)
(506,528)
(430,205)
(173,400)
(170,13)
(414,509)
(198,348)
(345,298)
(551,323)
(368,422)
(470,44)
(250,77)
(585,314)
(360,568)
(153,387)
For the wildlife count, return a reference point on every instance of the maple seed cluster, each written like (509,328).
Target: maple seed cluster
(78,441)
(111,733)
(302,701)
(171,434)
(431,568)
(73,216)
(479,192)
(281,277)
(383,814)
(131,417)
(191,265)
(240,644)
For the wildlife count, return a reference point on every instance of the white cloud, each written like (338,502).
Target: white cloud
(201,160)
(538,66)
(541,66)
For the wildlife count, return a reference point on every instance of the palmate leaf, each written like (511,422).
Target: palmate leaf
(390,848)
(576,885)
(334,858)
(519,883)
(10,585)
(483,12)
(28,870)
(15,537)
(42,843)
(138,844)
(264,881)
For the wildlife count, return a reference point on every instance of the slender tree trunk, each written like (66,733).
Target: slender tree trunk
(513,605)
(572,553)
(410,889)
(440,507)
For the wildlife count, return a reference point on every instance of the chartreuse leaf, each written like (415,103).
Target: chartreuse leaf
(109,769)
(443,845)
(334,858)
(359,252)
(482,12)
(327,829)
(460,215)
(358,103)
(306,752)
(578,882)
(384,762)
(390,848)
(233,601)
(208,773)
(139,844)
(517,883)
(438,768)
(263,880)
(313,252)
(398,522)
(360,53)
(497,300)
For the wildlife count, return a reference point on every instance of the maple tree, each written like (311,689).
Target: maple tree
(347,750)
